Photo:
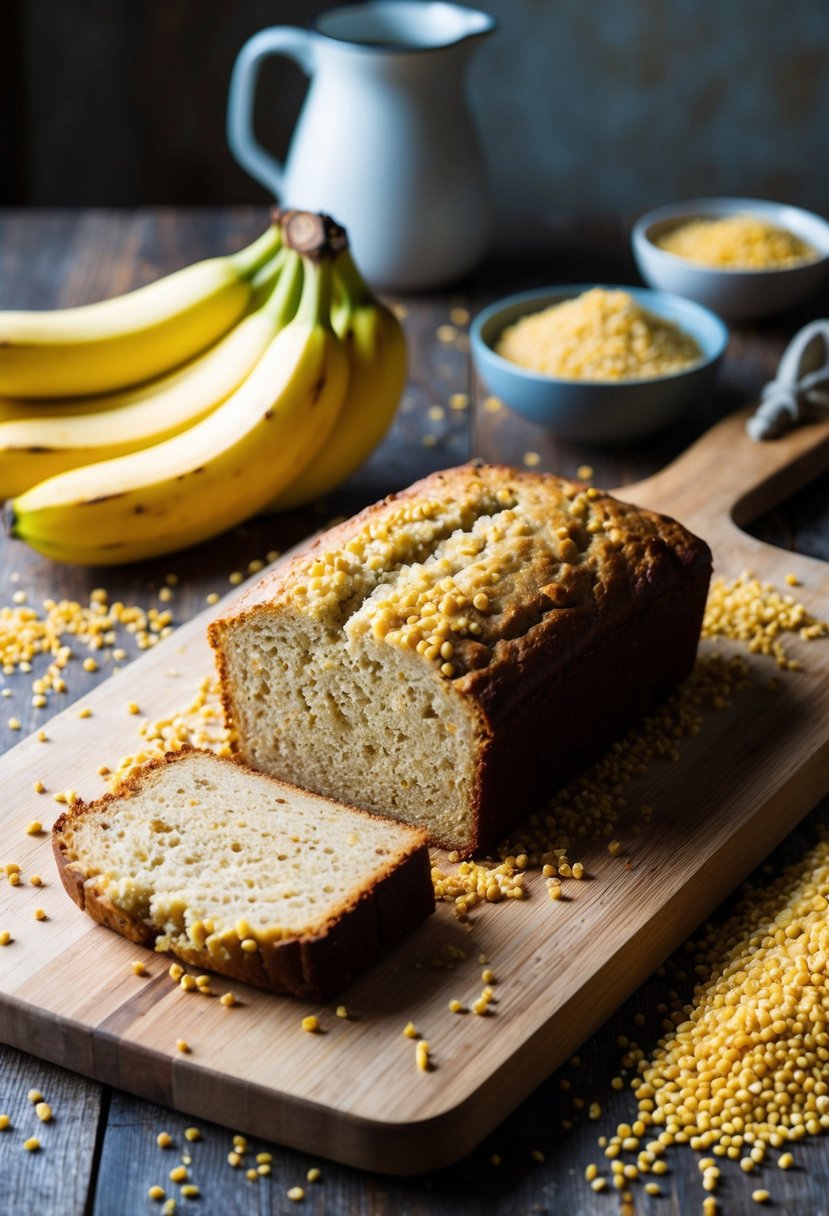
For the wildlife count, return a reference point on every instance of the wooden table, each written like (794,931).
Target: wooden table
(102,1155)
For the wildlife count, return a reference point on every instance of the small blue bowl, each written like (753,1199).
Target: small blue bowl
(598,411)
(737,295)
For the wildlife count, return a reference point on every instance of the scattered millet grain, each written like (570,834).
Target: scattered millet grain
(756,614)
(27,633)
(199,724)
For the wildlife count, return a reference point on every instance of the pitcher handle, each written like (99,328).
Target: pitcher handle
(294,43)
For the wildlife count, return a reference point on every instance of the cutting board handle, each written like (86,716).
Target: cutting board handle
(725,474)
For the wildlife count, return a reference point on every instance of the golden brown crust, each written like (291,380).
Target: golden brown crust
(316,965)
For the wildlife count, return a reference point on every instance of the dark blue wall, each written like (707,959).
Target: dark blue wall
(607,104)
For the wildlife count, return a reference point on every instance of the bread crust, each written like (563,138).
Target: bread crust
(317,965)
(521,677)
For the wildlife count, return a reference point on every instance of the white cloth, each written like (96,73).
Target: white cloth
(801,387)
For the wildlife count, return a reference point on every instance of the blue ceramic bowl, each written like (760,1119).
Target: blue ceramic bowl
(737,295)
(597,411)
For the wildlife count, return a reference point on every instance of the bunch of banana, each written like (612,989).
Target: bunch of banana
(270,411)
(74,432)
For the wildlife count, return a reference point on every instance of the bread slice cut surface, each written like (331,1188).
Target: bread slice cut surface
(235,872)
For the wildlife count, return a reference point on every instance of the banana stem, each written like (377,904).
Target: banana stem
(248,261)
(312,233)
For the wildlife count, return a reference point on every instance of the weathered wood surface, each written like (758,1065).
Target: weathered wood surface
(60,259)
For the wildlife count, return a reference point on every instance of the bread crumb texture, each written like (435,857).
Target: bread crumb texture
(143,860)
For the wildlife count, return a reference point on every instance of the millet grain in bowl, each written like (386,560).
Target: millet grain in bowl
(600,335)
(736,242)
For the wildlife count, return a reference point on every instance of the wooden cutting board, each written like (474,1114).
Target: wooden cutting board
(353,1093)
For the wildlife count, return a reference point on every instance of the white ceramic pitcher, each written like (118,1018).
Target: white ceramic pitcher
(384,142)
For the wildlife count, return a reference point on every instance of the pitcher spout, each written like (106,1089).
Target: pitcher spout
(478,23)
(404,25)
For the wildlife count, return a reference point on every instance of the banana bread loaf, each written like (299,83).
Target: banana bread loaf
(236,873)
(451,654)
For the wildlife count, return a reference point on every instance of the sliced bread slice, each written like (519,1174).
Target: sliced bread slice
(238,873)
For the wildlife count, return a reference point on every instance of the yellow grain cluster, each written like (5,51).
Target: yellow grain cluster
(742,1067)
(757,614)
(736,242)
(201,723)
(600,335)
(58,627)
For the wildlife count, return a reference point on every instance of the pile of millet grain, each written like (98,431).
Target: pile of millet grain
(737,242)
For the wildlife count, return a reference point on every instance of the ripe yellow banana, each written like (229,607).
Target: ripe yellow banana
(35,448)
(213,475)
(100,347)
(376,345)
(18,409)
